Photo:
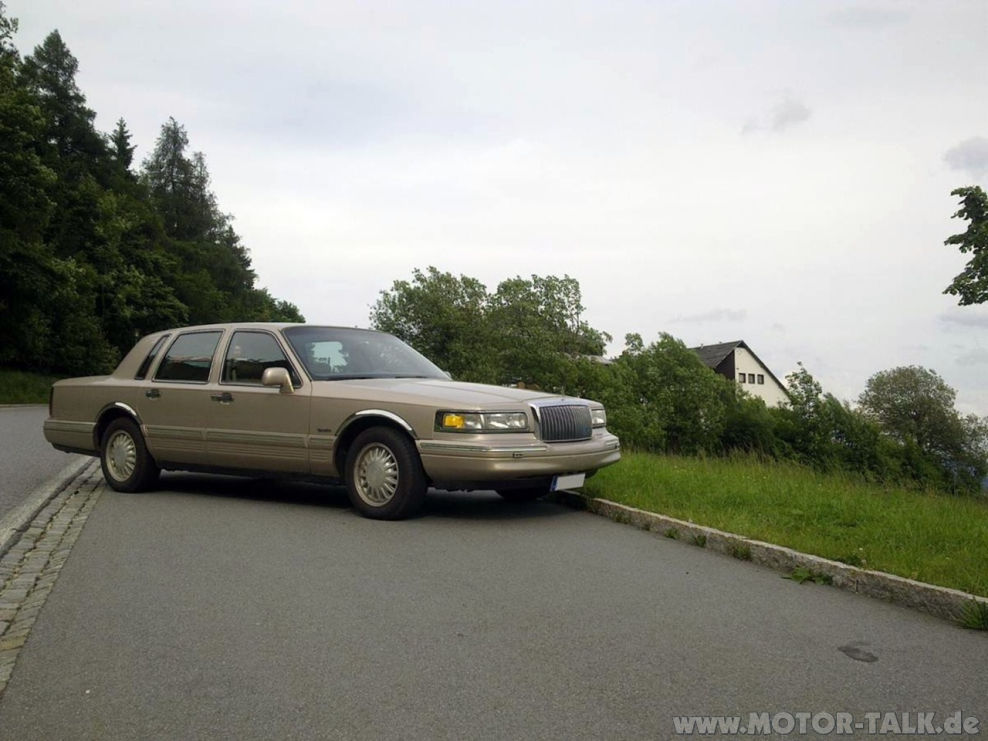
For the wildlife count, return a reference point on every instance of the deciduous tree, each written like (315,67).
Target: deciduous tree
(971,285)
(914,404)
(443,316)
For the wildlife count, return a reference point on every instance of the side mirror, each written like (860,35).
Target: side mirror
(277,377)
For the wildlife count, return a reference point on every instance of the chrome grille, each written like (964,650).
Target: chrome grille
(565,423)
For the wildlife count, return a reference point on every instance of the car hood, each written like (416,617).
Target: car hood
(432,391)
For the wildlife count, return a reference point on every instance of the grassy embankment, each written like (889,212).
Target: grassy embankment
(935,538)
(19,387)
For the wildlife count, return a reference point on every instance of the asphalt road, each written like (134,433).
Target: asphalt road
(220,608)
(26,458)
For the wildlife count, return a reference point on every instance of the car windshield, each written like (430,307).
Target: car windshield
(337,354)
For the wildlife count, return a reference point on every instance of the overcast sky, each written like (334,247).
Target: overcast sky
(778,172)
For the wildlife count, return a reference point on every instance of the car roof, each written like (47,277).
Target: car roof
(258,325)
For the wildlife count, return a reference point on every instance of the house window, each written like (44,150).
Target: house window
(751,378)
(740,377)
(761,378)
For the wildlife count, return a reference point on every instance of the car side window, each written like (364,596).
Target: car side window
(189,358)
(142,372)
(250,354)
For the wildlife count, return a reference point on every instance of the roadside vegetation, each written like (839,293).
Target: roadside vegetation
(928,536)
(22,387)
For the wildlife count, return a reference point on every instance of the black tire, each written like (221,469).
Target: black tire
(384,476)
(127,465)
(528,494)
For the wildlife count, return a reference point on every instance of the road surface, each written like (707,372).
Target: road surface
(26,458)
(222,608)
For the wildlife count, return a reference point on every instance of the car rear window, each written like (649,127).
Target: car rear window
(189,358)
(149,360)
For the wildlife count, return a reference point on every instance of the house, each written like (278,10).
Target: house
(736,361)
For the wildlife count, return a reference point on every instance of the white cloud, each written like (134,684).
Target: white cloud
(976,356)
(789,113)
(868,17)
(970,156)
(786,113)
(714,315)
(971,317)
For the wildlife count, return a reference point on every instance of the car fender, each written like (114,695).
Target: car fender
(114,406)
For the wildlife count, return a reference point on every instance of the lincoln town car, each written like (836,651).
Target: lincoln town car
(341,404)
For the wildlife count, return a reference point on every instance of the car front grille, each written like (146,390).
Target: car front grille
(565,423)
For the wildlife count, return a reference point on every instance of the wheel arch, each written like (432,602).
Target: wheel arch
(113,411)
(357,423)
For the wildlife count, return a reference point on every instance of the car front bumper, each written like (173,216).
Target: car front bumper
(476,462)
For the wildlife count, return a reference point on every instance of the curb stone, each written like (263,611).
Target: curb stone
(941,602)
(35,553)
(15,522)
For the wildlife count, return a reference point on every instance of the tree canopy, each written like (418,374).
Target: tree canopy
(915,406)
(971,284)
(522,333)
(93,254)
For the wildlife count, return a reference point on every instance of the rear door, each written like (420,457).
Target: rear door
(252,426)
(177,400)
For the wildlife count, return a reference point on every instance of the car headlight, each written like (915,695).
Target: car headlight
(481,422)
(598,417)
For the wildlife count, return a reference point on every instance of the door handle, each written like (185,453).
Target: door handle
(225,398)
(152,393)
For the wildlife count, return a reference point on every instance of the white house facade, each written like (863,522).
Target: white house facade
(736,361)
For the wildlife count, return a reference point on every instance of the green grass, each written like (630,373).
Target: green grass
(935,538)
(21,387)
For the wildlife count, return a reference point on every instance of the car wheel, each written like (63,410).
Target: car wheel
(384,476)
(529,494)
(127,465)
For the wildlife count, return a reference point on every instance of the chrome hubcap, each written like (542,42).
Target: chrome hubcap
(121,456)
(376,475)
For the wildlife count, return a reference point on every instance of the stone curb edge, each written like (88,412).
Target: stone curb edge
(31,566)
(941,602)
(15,522)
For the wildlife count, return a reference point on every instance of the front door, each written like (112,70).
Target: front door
(252,427)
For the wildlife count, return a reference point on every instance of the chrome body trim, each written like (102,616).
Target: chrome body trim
(443,447)
(376,413)
(117,405)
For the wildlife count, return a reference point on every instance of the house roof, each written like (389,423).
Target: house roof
(713,355)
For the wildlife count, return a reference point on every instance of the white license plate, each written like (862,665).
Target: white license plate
(569,481)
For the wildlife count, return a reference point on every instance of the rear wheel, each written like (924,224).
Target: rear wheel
(126,463)
(384,476)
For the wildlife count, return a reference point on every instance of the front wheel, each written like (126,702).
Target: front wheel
(384,476)
(126,463)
